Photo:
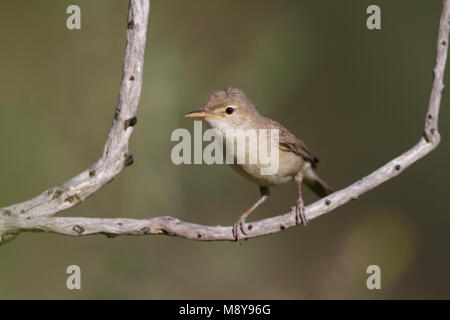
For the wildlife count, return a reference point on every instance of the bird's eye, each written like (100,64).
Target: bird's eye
(229,110)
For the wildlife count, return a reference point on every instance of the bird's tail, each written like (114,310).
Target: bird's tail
(316,184)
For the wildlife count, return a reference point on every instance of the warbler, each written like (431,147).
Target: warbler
(230,110)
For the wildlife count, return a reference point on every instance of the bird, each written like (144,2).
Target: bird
(231,109)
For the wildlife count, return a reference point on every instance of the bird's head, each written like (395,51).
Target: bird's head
(227,109)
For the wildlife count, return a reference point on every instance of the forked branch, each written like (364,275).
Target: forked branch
(37,214)
(115,152)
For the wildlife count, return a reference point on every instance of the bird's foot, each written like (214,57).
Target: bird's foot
(238,228)
(300,217)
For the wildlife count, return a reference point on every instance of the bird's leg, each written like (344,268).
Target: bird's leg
(240,222)
(299,213)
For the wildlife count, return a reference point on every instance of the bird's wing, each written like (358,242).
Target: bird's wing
(289,142)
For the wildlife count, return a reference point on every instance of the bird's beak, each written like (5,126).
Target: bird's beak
(200,114)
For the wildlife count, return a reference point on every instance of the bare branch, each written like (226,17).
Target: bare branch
(15,223)
(115,153)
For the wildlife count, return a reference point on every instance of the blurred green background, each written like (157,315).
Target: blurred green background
(356,97)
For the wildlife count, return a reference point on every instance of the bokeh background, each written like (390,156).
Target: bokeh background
(356,97)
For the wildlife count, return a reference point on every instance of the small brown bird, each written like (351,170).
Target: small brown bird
(230,109)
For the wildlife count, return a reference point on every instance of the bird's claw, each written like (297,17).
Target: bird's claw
(300,217)
(239,226)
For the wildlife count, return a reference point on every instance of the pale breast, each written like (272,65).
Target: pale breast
(285,164)
(250,164)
